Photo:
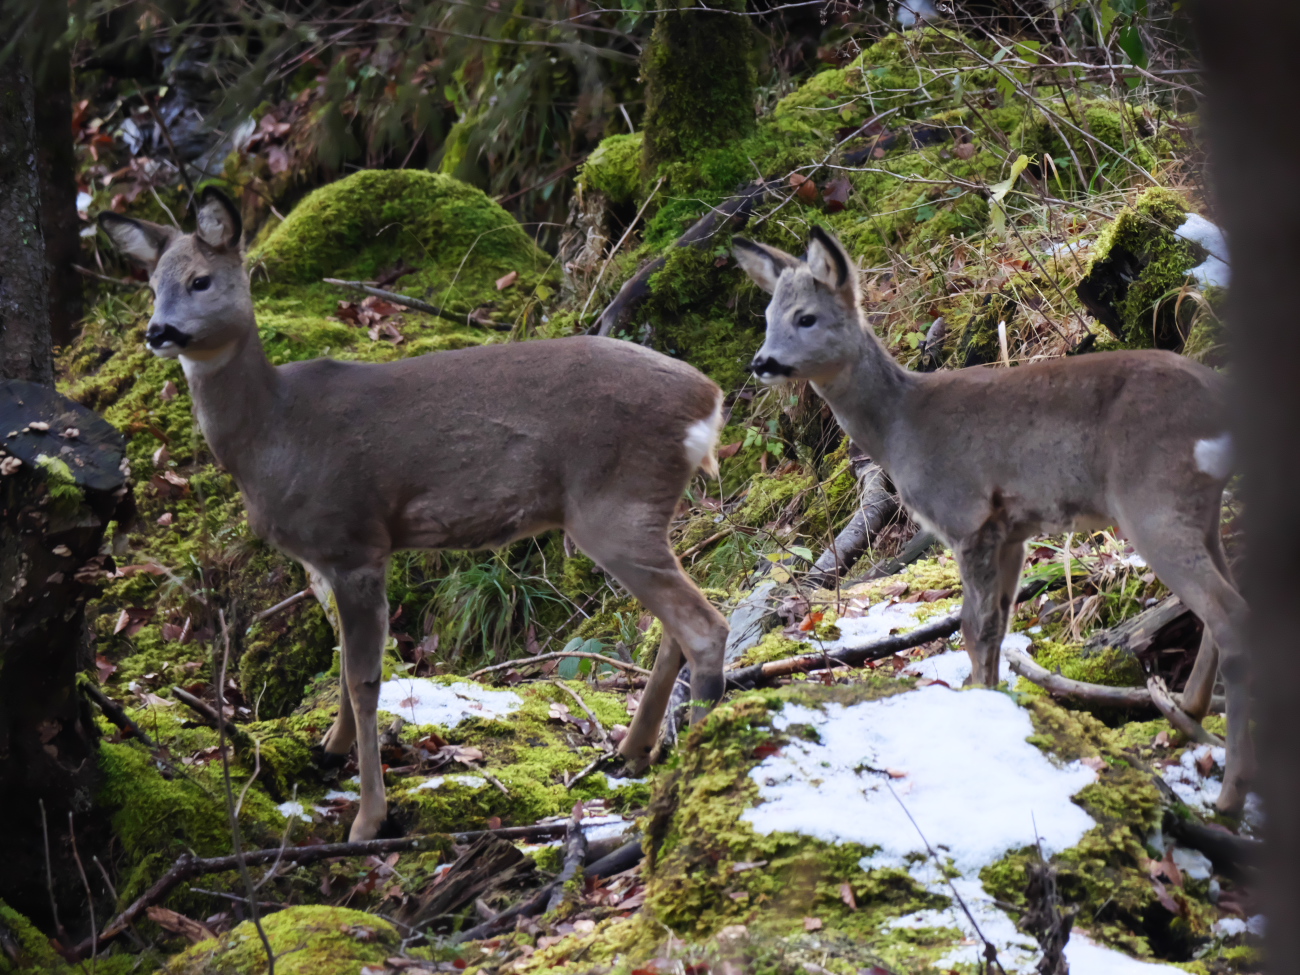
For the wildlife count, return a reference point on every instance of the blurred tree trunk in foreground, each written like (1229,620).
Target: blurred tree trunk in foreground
(25,346)
(1254,85)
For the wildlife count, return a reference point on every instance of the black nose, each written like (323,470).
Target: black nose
(768,366)
(157,334)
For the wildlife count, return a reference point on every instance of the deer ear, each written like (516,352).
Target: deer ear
(140,240)
(220,226)
(829,262)
(762,263)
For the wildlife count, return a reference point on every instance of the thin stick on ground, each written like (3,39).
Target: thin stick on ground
(232,810)
(415,304)
(1176,716)
(990,950)
(557,655)
(49,869)
(1098,694)
(282,605)
(590,713)
(85,881)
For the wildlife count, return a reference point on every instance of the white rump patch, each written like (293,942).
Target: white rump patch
(1214,457)
(702,438)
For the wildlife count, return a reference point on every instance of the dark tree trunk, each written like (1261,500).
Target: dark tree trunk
(53,514)
(1254,79)
(25,347)
(699,80)
(56,161)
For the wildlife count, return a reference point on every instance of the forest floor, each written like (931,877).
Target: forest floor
(845,819)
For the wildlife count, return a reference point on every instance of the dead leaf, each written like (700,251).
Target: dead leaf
(277,160)
(161,456)
(812,924)
(193,931)
(1167,902)
(506,280)
(729,450)
(847,896)
(169,391)
(1205,764)
(105,667)
(165,519)
(387,331)
(805,188)
(132,619)
(809,622)
(836,194)
(360,932)
(1094,762)
(965,150)
(744,865)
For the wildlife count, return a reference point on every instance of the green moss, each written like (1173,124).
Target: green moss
(699,80)
(281,655)
(34,951)
(1137,270)
(774,646)
(1109,666)
(614,168)
(769,496)
(313,940)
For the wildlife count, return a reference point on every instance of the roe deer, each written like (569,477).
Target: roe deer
(342,463)
(987,458)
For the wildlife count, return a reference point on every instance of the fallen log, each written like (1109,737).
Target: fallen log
(1059,686)
(1176,716)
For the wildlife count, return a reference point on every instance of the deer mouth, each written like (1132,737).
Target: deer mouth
(163,338)
(770,370)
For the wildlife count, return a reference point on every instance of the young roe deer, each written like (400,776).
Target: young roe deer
(342,463)
(987,458)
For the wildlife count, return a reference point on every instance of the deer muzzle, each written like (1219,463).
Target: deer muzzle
(769,369)
(159,337)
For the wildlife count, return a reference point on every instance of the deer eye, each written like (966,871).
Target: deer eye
(201,283)
(805,321)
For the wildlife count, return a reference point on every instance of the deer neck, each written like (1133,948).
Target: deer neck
(867,398)
(234,390)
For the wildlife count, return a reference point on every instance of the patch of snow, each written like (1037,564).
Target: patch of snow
(1086,957)
(917,749)
(603,827)
(828,790)
(876,624)
(294,810)
(1230,927)
(953,667)
(1193,863)
(469,781)
(1196,790)
(1214,270)
(342,795)
(422,701)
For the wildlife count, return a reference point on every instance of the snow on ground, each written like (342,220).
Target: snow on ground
(1086,957)
(422,701)
(1198,791)
(468,781)
(953,667)
(876,624)
(1214,270)
(917,753)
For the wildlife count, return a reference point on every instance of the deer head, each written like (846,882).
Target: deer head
(813,327)
(202,303)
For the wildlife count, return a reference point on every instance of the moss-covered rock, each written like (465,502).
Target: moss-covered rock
(312,940)
(1137,274)
(614,168)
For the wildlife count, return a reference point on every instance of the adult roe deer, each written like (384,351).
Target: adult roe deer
(342,463)
(987,458)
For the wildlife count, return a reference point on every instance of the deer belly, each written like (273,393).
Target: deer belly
(430,523)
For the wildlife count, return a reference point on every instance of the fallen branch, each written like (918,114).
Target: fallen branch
(189,866)
(876,505)
(747,678)
(600,729)
(556,655)
(282,605)
(204,710)
(117,714)
(733,211)
(1176,716)
(415,304)
(575,854)
(1099,694)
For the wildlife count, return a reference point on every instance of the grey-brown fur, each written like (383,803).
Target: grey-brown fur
(340,464)
(989,457)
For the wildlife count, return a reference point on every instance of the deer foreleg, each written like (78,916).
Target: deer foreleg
(363,617)
(640,740)
(990,570)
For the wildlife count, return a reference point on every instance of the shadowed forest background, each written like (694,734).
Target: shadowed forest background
(1018,180)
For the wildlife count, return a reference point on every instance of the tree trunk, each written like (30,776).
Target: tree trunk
(59,488)
(25,346)
(1254,79)
(699,80)
(56,161)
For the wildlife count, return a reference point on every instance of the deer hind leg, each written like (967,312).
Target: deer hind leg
(363,618)
(1184,560)
(1199,691)
(990,565)
(343,732)
(634,549)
